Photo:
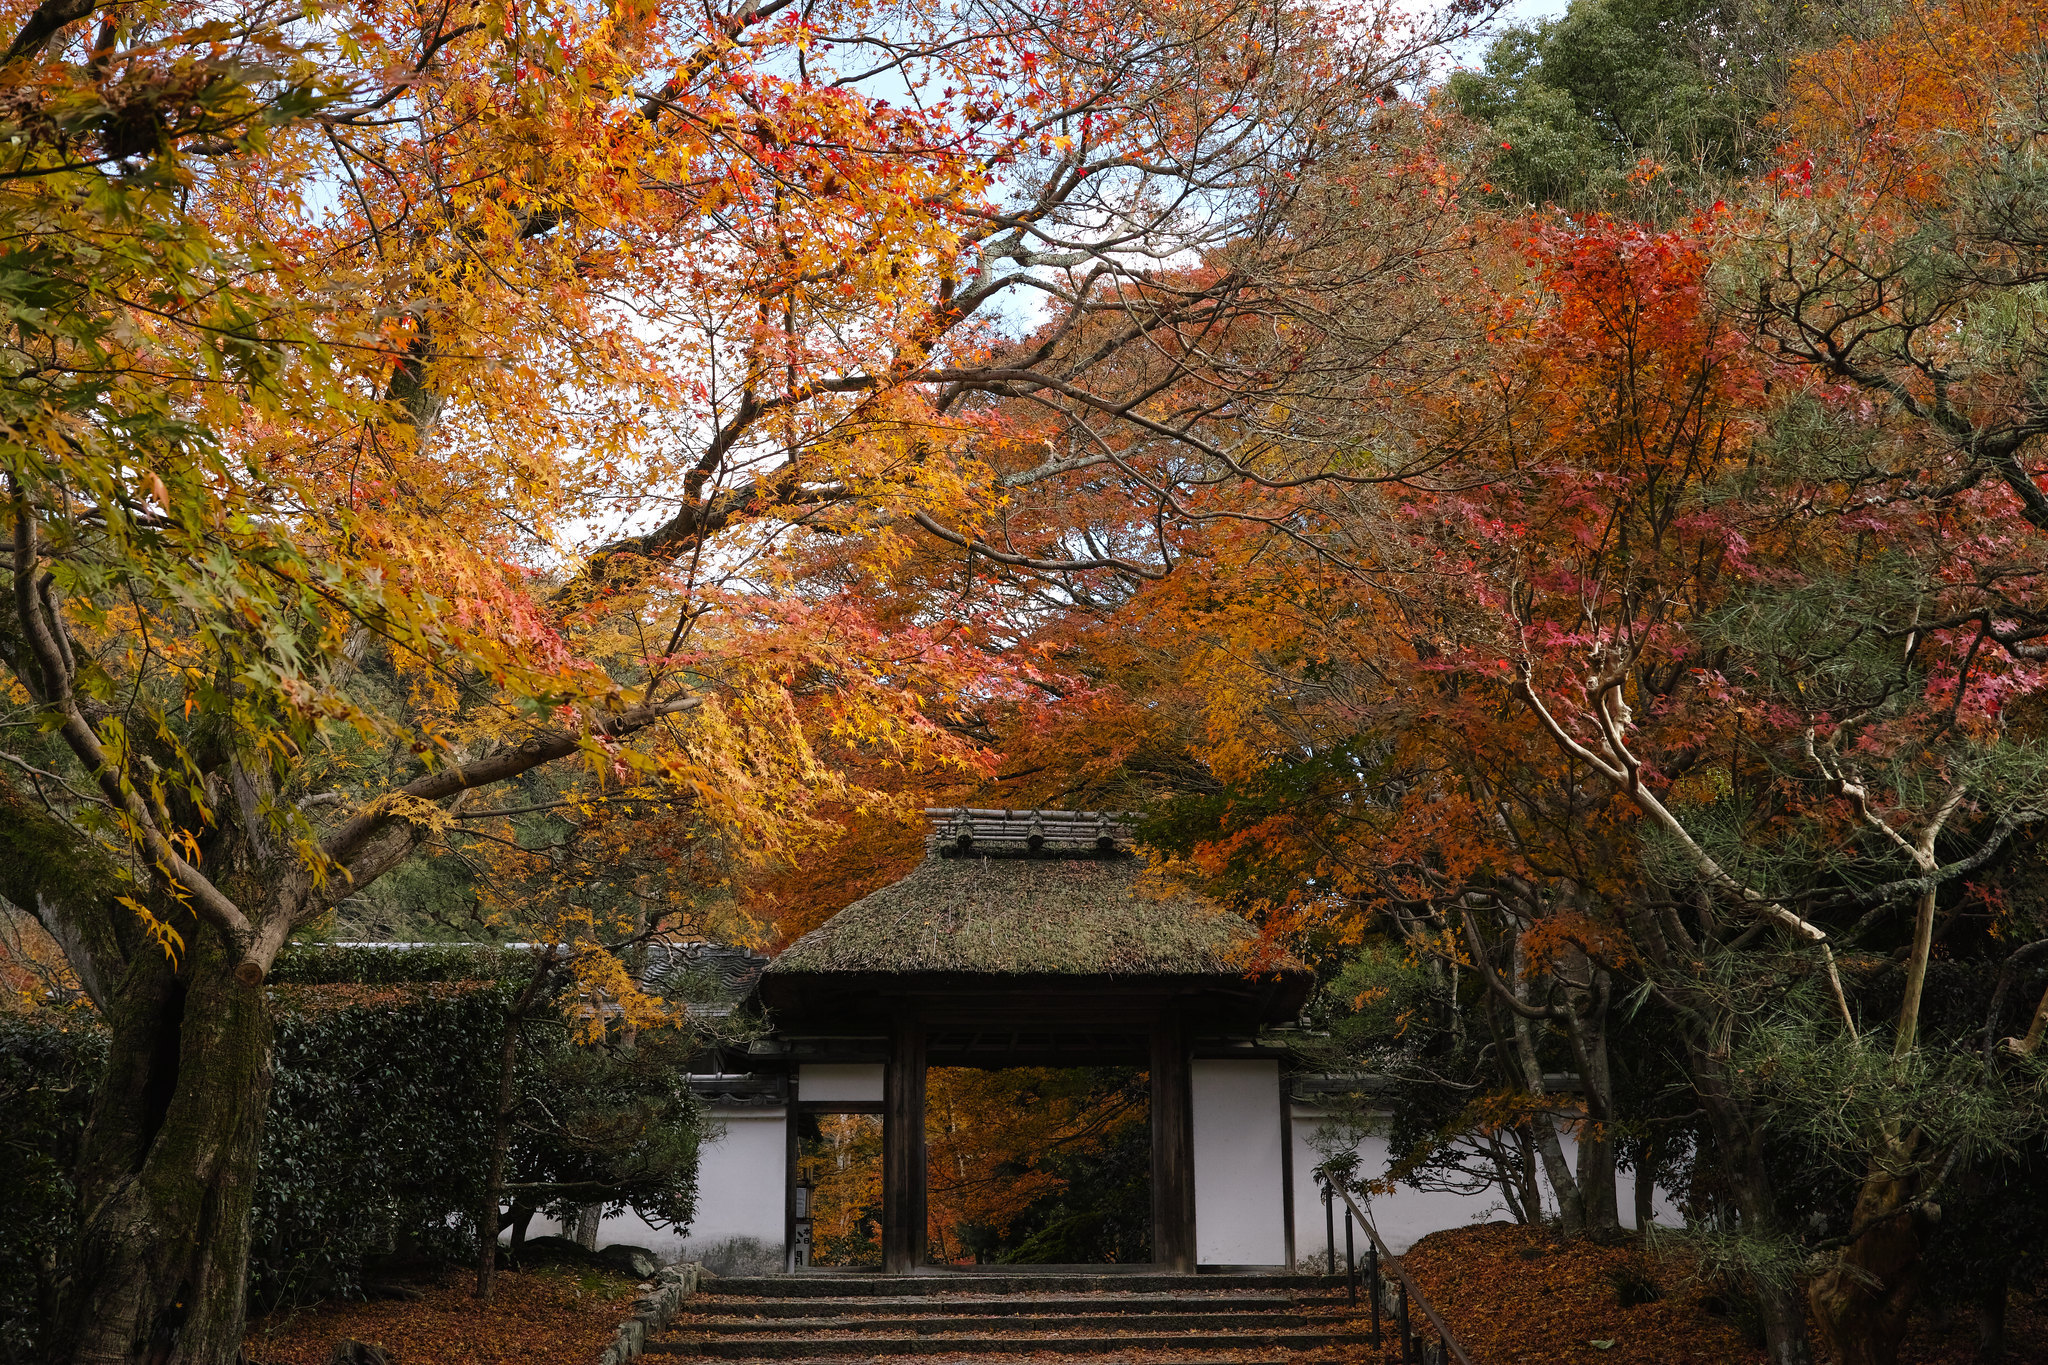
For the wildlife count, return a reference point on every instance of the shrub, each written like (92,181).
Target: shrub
(377,1138)
(49,1064)
(1634,1281)
(377,1135)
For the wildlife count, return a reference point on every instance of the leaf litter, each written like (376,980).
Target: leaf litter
(1517,1295)
(551,1316)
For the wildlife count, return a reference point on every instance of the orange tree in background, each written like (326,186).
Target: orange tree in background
(1604,390)
(1676,696)
(1004,1145)
(844,1164)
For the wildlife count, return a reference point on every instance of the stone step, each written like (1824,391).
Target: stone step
(828,1284)
(1095,1322)
(1191,1356)
(689,1343)
(956,1302)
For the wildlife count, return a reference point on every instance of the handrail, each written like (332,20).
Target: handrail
(1414,1290)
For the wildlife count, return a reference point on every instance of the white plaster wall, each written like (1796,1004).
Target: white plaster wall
(839,1084)
(742,1175)
(1407,1215)
(1240,1187)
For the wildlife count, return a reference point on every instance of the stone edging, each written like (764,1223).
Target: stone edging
(652,1312)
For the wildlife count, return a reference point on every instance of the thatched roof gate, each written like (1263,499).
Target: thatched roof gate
(1032,938)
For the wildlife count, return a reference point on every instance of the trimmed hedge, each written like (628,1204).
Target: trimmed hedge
(48,1065)
(378,1132)
(336,964)
(376,1142)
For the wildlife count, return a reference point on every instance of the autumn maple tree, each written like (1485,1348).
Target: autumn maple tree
(1002,1145)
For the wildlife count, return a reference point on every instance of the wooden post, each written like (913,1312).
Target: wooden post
(1287,1164)
(1330,1227)
(1372,1283)
(1173,1148)
(1350,1261)
(903,1192)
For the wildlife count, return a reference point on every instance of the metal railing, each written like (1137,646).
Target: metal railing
(1392,1298)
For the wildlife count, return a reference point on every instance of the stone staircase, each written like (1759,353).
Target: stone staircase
(1024,1319)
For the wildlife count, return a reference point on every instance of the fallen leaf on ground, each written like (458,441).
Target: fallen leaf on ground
(538,1317)
(1516,1295)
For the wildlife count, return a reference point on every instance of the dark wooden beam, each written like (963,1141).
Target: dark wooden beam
(1287,1161)
(903,1176)
(789,1130)
(1173,1148)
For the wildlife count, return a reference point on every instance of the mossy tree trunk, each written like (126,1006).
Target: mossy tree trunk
(1746,1175)
(167,1164)
(1860,1304)
(167,1173)
(1862,1301)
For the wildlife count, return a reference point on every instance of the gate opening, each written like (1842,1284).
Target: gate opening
(840,1157)
(1038,1166)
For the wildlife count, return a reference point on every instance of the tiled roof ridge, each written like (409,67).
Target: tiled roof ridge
(962,828)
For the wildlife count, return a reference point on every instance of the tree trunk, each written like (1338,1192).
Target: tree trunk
(1990,1314)
(1571,1211)
(488,1221)
(1532,1188)
(1507,1162)
(1542,1124)
(487,1216)
(1747,1177)
(168,1168)
(1860,1305)
(1598,1202)
(1784,1321)
(1646,1180)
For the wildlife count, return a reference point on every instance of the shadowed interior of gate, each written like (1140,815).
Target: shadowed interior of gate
(1038,1165)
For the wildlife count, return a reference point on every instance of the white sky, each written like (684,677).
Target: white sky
(1520,12)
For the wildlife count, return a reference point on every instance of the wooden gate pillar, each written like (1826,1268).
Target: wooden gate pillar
(903,1174)
(1173,1148)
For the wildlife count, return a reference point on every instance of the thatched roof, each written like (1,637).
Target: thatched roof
(1014,915)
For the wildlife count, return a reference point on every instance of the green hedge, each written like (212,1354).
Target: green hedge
(324,964)
(48,1064)
(377,1136)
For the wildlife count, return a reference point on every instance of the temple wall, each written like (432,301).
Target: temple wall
(741,1180)
(1239,1174)
(1407,1215)
(1239,1183)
